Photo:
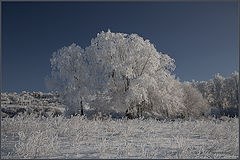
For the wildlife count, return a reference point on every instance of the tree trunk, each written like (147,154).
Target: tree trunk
(81,108)
(138,111)
(141,112)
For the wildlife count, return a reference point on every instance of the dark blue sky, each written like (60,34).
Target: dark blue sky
(202,37)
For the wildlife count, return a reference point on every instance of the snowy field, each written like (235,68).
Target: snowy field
(78,137)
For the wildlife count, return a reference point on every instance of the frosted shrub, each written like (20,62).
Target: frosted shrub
(195,104)
(39,144)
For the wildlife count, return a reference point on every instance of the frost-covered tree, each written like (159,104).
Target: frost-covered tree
(221,93)
(218,91)
(123,72)
(232,90)
(133,68)
(73,77)
(206,88)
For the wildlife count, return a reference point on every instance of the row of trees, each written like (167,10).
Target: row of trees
(221,93)
(122,73)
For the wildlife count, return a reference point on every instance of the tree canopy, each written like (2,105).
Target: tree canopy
(118,72)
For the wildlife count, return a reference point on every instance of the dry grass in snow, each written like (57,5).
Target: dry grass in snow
(78,137)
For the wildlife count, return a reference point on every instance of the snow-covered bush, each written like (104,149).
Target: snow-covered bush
(160,99)
(195,104)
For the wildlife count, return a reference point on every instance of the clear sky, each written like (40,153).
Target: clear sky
(202,37)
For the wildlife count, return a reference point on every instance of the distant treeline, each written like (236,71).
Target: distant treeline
(221,93)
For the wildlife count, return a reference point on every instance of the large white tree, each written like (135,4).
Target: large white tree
(128,59)
(122,71)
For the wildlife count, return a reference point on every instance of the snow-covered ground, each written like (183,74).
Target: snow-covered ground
(78,137)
